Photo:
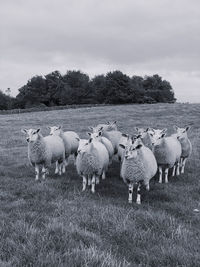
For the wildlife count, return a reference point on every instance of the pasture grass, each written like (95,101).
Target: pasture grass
(52,223)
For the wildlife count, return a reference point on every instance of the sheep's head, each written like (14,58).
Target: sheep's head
(96,135)
(131,148)
(142,131)
(83,143)
(181,132)
(156,136)
(109,126)
(55,130)
(31,134)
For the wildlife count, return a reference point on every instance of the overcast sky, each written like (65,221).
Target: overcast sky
(137,37)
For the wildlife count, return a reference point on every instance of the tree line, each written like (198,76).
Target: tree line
(75,87)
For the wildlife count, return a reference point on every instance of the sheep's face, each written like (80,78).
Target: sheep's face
(55,130)
(83,145)
(131,148)
(142,132)
(181,132)
(31,134)
(156,136)
(96,135)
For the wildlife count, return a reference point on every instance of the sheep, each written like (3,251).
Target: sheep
(186,145)
(113,135)
(92,161)
(105,141)
(109,126)
(70,139)
(167,151)
(139,166)
(45,151)
(144,133)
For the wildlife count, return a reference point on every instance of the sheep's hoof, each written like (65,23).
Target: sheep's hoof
(93,191)
(130,201)
(160,182)
(138,202)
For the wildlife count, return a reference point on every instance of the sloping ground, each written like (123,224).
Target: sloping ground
(52,223)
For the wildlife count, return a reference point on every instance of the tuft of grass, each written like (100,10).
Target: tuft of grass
(53,223)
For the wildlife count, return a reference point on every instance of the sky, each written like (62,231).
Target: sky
(138,37)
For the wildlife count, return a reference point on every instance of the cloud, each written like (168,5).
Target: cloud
(137,37)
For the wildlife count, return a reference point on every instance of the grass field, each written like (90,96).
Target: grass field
(52,223)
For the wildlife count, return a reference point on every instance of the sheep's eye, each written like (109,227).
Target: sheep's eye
(86,144)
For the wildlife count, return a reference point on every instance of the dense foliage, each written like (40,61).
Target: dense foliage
(76,87)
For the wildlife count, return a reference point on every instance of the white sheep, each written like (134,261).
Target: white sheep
(105,141)
(144,133)
(113,135)
(45,151)
(186,145)
(92,161)
(167,151)
(109,126)
(70,139)
(139,166)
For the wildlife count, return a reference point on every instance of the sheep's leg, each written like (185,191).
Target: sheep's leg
(89,181)
(160,174)
(37,171)
(147,186)
(63,167)
(174,170)
(178,169)
(93,184)
(138,200)
(84,183)
(166,175)
(44,172)
(97,179)
(60,168)
(57,168)
(183,166)
(103,175)
(130,193)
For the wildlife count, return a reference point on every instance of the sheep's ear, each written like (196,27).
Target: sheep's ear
(78,139)
(101,128)
(138,136)
(24,131)
(114,122)
(89,134)
(188,128)
(137,129)
(122,146)
(49,127)
(59,127)
(100,133)
(175,127)
(163,135)
(37,131)
(139,146)
(125,135)
(90,128)
(90,140)
(147,129)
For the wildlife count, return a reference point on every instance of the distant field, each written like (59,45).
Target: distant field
(52,223)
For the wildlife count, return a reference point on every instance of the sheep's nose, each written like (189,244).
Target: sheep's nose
(27,139)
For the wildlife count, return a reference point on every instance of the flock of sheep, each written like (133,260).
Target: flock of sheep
(140,155)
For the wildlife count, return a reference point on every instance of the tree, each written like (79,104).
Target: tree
(118,88)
